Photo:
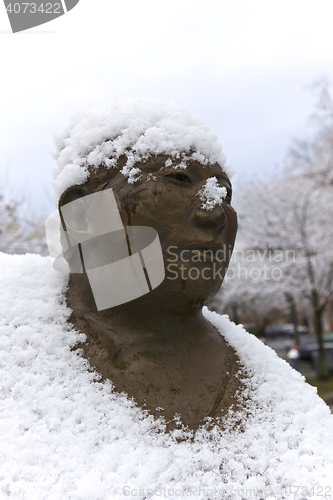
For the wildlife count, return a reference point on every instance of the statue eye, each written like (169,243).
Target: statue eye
(179,178)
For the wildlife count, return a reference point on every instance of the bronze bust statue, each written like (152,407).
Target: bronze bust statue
(159,348)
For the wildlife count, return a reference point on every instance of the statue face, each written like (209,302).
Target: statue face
(196,243)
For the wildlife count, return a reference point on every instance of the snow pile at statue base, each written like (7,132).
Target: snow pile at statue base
(67,436)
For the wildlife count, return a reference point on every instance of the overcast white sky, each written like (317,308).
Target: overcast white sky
(242,66)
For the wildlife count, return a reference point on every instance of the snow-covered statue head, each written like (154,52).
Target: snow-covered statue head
(155,179)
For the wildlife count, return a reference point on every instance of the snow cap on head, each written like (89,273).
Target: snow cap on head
(138,129)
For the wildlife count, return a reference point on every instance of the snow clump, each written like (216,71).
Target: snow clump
(212,194)
(136,129)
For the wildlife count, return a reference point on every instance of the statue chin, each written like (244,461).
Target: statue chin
(187,287)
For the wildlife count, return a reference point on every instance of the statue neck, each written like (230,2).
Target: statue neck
(148,325)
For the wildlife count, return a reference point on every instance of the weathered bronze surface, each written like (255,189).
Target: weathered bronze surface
(159,349)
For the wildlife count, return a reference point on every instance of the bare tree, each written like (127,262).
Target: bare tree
(19,234)
(286,224)
(286,249)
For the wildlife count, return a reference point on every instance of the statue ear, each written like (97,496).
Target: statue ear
(86,215)
(75,218)
(70,250)
(71,194)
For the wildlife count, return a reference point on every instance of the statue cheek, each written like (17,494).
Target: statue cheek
(141,209)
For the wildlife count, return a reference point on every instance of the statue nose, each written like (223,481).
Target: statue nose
(215,219)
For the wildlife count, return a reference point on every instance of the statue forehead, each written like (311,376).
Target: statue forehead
(157,166)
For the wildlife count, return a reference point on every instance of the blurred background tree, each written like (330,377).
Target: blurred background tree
(20,234)
(283,259)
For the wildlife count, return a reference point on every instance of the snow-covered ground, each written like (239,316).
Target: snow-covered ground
(64,435)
